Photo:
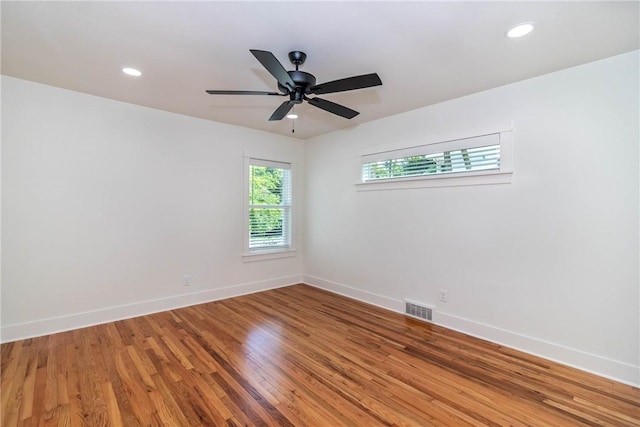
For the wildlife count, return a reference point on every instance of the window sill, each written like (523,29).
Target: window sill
(263,255)
(478,178)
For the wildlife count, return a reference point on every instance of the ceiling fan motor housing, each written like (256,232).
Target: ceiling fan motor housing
(302,80)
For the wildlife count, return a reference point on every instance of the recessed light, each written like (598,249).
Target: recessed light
(292,116)
(132,72)
(520,30)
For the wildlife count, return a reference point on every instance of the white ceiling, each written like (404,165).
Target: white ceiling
(424,52)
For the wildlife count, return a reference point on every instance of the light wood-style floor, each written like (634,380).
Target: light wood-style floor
(294,356)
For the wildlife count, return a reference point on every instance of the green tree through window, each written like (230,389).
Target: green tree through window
(413,165)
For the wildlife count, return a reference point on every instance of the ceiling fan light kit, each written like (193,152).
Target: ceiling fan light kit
(298,84)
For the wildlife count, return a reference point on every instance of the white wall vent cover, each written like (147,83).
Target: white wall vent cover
(418,310)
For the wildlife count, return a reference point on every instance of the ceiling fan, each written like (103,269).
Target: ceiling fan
(298,84)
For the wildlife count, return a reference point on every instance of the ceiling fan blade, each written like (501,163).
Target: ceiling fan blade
(350,83)
(332,107)
(274,66)
(281,111)
(242,92)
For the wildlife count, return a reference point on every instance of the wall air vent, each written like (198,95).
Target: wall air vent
(418,310)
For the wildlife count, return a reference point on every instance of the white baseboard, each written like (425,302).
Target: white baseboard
(80,320)
(598,365)
(354,293)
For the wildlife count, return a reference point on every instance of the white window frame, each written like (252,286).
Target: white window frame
(266,253)
(502,175)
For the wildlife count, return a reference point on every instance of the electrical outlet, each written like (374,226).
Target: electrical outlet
(444,295)
(187,281)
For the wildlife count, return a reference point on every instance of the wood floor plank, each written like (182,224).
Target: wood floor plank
(115,417)
(294,356)
(26,390)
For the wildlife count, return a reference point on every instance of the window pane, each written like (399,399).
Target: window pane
(266,186)
(267,227)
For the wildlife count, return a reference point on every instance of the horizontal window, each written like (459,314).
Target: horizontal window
(456,161)
(484,159)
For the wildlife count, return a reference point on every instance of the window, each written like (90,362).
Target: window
(455,161)
(481,159)
(269,206)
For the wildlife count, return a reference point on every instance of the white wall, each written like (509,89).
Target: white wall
(548,263)
(107,205)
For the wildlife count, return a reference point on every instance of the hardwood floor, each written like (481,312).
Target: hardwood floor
(293,356)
